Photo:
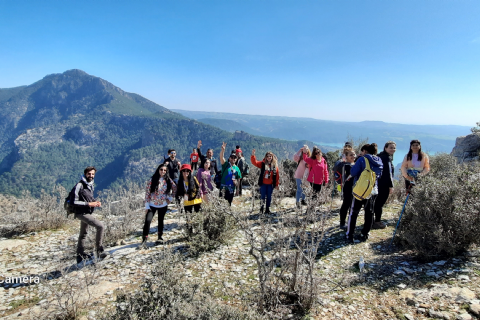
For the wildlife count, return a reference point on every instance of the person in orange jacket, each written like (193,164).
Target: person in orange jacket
(268,179)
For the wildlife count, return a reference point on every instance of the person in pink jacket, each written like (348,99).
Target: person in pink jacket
(318,174)
(299,174)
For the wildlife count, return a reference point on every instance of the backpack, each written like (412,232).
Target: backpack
(246,168)
(364,186)
(68,203)
(338,171)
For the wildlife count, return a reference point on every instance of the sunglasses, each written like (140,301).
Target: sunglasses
(165,170)
(173,153)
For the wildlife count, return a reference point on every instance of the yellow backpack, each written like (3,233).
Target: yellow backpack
(364,186)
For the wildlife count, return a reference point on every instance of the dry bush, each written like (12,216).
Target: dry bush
(167,294)
(211,227)
(122,212)
(284,245)
(442,217)
(31,214)
(69,293)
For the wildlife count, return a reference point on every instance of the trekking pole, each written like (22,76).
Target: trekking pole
(395,232)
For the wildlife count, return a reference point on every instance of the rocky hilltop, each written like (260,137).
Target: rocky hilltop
(68,121)
(467,148)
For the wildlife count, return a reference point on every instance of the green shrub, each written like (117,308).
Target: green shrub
(442,217)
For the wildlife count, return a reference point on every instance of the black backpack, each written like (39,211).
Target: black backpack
(68,203)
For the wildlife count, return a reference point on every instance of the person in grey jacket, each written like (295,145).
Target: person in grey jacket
(84,204)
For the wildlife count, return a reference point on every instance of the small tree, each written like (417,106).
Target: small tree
(476,129)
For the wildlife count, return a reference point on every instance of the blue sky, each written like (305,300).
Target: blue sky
(395,61)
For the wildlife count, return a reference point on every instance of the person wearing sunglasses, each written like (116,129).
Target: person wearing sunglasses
(158,195)
(188,189)
(269,178)
(173,165)
(230,174)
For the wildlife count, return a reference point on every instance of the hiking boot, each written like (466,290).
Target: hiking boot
(303,202)
(83,257)
(379,225)
(363,237)
(101,253)
(267,211)
(261,210)
(297,205)
(343,226)
(142,245)
(159,240)
(350,240)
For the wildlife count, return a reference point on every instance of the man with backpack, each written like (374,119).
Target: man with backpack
(214,172)
(84,204)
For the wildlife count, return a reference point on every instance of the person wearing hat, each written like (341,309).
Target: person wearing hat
(269,178)
(188,189)
(230,174)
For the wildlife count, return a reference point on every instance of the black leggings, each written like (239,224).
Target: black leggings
(149,217)
(352,218)
(382,198)
(346,206)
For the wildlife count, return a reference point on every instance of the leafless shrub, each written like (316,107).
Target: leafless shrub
(122,212)
(34,214)
(284,245)
(442,216)
(69,293)
(167,294)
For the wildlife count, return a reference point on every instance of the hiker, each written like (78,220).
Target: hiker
(158,195)
(376,165)
(318,169)
(194,159)
(385,183)
(415,164)
(343,170)
(84,204)
(229,174)
(188,189)
(268,179)
(243,167)
(173,165)
(213,162)
(300,173)
(204,179)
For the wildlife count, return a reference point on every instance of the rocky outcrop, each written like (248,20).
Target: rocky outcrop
(241,136)
(467,148)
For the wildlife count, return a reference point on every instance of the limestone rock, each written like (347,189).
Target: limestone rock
(466,148)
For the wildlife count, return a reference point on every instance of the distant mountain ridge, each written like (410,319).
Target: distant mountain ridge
(54,128)
(434,138)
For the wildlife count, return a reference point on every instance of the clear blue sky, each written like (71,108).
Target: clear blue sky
(395,61)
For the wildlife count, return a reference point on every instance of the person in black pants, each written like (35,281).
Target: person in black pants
(385,183)
(158,195)
(189,190)
(347,186)
(375,163)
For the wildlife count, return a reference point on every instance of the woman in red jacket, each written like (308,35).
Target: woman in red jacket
(269,177)
(318,174)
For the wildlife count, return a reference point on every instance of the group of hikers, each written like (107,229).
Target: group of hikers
(195,182)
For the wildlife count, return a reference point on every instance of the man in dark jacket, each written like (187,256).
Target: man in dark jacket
(173,165)
(84,205)
(213,162)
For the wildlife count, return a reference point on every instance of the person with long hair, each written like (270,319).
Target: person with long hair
(385,183)
(376,165)
(204,179)
(346,185)
(318,174)
(268,179)
(158,195)
(302,167)
(188,189)
(415,164)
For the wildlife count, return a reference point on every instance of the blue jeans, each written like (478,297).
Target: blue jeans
(300,194)
(266,190)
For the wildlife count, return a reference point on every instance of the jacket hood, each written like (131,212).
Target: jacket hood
(375,163)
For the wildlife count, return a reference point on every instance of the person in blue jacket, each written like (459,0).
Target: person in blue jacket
(370,153)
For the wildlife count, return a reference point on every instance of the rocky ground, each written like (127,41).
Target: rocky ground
(393,284)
